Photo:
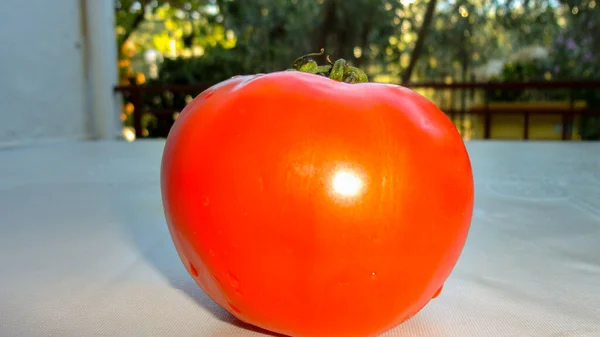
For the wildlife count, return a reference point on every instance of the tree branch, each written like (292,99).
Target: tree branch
(416,53)
(137,20)
(329,9)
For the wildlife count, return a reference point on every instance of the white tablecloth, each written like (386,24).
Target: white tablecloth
(85,251)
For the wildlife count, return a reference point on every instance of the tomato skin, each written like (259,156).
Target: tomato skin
(311,207)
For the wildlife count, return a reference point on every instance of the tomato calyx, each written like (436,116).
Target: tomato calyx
(337,71)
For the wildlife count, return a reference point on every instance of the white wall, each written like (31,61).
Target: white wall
(47,88)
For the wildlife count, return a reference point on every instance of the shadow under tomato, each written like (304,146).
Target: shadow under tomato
(253,328)
(168,263)
(151,238)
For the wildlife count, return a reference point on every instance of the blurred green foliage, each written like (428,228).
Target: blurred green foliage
(200,41)
(219,64)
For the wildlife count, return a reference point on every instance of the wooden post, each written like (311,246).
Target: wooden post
(136,100)
(567,116)
(526,125)
(487,116)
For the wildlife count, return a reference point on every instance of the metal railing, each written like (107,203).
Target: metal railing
(485,109)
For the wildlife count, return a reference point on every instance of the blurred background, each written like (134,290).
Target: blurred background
(501,69)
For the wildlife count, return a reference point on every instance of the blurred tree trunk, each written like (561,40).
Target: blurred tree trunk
(137,20)
(342,45)
(329,9)
(464,56)
(416,53)
(364,38)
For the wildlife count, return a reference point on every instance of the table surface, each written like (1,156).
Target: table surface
(85,251)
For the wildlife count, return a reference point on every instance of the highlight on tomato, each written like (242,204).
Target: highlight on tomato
(312,202)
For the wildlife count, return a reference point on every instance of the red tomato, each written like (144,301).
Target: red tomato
(312,207)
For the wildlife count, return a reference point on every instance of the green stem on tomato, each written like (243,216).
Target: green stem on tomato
(337,71)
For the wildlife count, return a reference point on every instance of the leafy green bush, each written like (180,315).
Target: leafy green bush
(532,70)
(218,64)
(538,70)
